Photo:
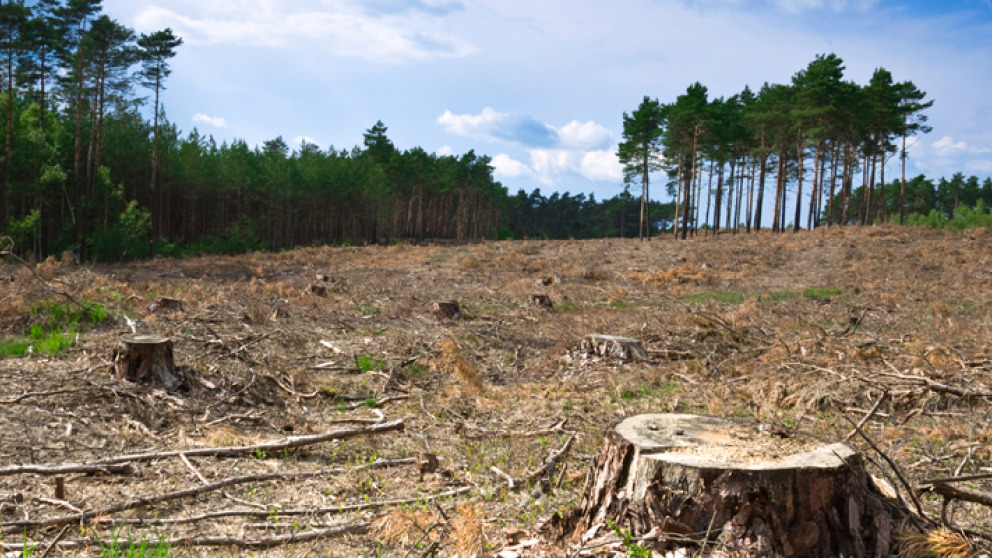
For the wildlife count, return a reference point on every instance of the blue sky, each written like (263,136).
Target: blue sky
(541,85)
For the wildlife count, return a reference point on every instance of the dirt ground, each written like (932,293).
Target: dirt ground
(798,331)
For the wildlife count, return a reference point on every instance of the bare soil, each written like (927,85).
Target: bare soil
(793,331)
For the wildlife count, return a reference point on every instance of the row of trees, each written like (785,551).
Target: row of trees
(69,75)
(816,136)
(84,170)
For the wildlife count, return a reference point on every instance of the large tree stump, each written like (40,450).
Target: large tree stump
(148,359)
(752,491)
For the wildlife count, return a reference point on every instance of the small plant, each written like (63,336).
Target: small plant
(619,304)
(368,364)
(565,307)
(366,309)
(634,550)
(260,454)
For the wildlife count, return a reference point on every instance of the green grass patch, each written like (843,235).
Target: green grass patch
(367,309)
(367,363)
(54,328)
(717,296)
(62,315)
(619,304)
(39,341)
(565,307)
(821,293)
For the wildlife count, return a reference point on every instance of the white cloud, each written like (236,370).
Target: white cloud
(946,146)
(583,134)
(445,150)
(504,165)
(525,130)
(216,122)
(602,165)
(338,27)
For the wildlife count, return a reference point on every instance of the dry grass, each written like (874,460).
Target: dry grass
(795,329)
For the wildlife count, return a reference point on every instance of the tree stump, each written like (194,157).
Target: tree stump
(622,348)
(148,359)
(318,289)
(166,304)
(446,310)
(739,485)
(542,301)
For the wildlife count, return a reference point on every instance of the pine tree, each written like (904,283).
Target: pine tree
(640,152)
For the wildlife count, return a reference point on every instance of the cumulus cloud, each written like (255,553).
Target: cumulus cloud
(946,146)
(339,27)
(507,166)
(602,165)
(445,150)
(491,125)
(525,130)
(577,148)
(216,122)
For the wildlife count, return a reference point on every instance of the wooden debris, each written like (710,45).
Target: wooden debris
(692,475)
(446,310)
(541,301)
(166,304)
(319,290)
(148,359)
(621,348)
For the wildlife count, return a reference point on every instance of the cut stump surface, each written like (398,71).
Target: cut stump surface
(737,484)
(148,359)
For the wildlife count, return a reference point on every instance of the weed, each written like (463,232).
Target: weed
(366,309)
(619,304)
(565,307)
(367,364)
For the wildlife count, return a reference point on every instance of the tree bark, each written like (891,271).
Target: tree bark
(740,485)
(148,359)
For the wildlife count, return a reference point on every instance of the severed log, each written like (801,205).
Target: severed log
(446,310)
(622,348)
(750,491)
(148,359)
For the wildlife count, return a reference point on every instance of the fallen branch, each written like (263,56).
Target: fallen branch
(951,492)
(895,468)
(230,451)
(871,413)
(359,528)
(963,478)
(151,499)
(551,461)
(286,512)
(87,468)
(27,394)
